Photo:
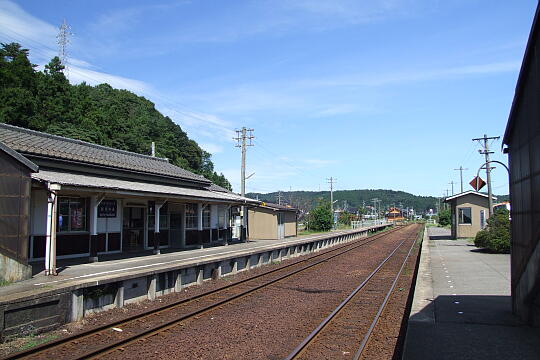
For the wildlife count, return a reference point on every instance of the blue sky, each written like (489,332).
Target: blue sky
(378,94)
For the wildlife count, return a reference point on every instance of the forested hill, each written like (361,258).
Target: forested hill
(354,198)
(46,101)
(305,200)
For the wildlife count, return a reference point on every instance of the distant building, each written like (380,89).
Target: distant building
(522,138)
(272,222)
(470,211)
(394,215)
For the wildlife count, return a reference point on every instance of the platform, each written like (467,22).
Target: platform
(45,302)
(462,305)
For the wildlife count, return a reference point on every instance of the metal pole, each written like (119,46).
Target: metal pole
(488,175)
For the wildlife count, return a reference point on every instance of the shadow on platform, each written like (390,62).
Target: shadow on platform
(440,237)
(470,327)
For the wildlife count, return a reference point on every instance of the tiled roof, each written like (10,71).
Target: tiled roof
(15,155)
(167,191)
(30,142)
(277,207)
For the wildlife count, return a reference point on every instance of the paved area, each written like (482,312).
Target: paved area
(76,271)
(462,305)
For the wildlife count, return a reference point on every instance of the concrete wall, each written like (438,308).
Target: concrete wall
(12,270)
(262,224)
(523,142)
(476,203)
(289,218)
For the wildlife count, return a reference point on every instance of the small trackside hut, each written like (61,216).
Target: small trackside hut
(272,222)
(88,200)
(470,211)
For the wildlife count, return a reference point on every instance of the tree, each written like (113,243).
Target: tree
(320,218)
(445,217)
(46,101)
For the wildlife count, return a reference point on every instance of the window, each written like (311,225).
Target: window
(191,216)
(71,214)
(464,216)
(206,217)
(221,216)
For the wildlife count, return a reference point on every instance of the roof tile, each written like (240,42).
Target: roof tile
(38,143)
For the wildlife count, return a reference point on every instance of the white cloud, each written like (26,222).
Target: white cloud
(212,148)
(207,125)
(16,23)
(320,162)
(411,76)
(78,75)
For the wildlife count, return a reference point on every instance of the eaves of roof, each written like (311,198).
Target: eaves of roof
(520,85)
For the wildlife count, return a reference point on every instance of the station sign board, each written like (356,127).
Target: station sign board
(107,209)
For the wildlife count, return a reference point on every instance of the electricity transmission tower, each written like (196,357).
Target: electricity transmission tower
(461,175)
(63,40)
(241,138)
(485,151)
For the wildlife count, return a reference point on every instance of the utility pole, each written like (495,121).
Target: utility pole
(63,41)
(452,183)
(278,196)
(331,181)
(461,175)
(486,152)
(242,137)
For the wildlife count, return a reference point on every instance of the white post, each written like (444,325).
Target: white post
(48,235)
(200,223)
(50,239)
(199,216)
(157,208)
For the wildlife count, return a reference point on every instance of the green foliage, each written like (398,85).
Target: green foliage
(45,101)
(320,218)
(496,236)
(445,217)
(345,218)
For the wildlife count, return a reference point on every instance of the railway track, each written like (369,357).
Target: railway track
(97,342)
(348,314)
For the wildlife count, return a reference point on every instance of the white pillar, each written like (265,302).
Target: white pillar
(183,237)
(93,214)
(50,239)
(199,216)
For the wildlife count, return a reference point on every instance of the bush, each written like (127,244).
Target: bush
(320,218)
(481,239)
(496,236)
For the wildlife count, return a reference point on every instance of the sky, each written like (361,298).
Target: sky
(380,94)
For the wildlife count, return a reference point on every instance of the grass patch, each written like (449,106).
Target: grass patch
(310,232)
(33,341)
(5,282)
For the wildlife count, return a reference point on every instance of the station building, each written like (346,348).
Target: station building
(522,140)
(86,200)
(470,211)
(272,222)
